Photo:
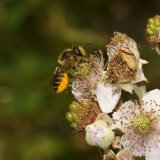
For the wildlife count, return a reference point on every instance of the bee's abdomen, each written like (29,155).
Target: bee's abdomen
(59,82)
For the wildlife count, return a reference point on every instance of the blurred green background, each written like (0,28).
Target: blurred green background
(32,34)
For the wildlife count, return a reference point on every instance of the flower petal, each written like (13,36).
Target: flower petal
(154,153)
(107,96)
(127,87)
(124,115)
(151,101)
(140,75)
(140,90)
(153,95)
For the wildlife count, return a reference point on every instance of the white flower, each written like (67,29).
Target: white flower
(140,123)
(94,86)
(99,134)
(104,82)
(124,66)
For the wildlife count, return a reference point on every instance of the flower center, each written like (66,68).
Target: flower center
(142,123)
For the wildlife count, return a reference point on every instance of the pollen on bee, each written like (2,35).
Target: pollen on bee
(63,83)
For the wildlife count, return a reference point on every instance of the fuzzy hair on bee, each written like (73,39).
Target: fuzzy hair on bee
(71,55)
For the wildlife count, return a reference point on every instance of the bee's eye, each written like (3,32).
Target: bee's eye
(65,56)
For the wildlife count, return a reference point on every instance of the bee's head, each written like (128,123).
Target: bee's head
(66,56)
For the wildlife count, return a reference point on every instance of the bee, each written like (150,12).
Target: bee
(67,59)
(60,80)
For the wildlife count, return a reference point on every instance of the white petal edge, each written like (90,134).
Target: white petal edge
(153,95)
(154,154)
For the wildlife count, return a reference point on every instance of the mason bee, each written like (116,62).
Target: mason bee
(67,59)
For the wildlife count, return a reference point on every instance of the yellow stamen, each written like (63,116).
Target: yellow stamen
(142,122)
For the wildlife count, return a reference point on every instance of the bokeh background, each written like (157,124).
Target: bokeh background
(32,34)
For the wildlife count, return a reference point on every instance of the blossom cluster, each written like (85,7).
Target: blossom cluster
(98,82)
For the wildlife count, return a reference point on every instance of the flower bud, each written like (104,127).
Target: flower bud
(74,106)
(153,26)
(99,134)
(69,117)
